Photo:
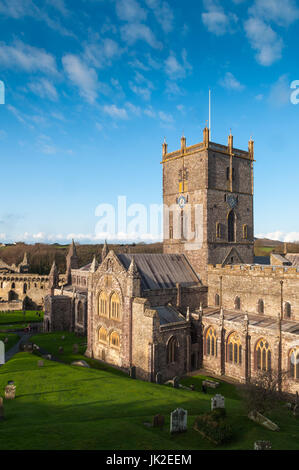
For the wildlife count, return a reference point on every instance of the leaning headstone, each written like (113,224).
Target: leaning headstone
(210,384)
(217,402)
(10,391)
(159,378)
(2,353)
(133,372)
(75,348)
(1,409)
(80,363)
(178,420)
(262,445)
(40,363)
(176,381)
(158,421)
(260,419)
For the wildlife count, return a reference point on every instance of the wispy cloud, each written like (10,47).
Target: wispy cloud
(281,236)
(133,32)
(130,10)
(282,13)
(175,69)
(163,12)
(84,77)
(101,54)
(217,20)
(264,40)
(27,58)
(231,83)
(280,92)
(44,88)
(115,112)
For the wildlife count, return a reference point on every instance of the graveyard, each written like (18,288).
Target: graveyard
(60,406)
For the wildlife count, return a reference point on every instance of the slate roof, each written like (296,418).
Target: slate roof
(262,321)
(168,314)
(161,271)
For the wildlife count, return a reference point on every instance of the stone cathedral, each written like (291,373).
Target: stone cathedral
(203,303)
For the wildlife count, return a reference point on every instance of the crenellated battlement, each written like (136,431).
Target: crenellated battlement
(254,269)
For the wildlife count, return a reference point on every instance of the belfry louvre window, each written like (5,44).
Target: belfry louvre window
(114,340)
(263,355)
(234,349)
(294,364)
(115,307)
(231,223)
(211,342)
(103,304)
(172,350)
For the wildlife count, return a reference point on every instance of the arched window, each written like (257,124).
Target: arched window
(260,306)
(115,307)
(217,300)
(114,339)
(263,355)
(103,304)
(211,342)
(287,310)
(231,226)
(25,288)
(237,303)
(218,230)
(234,349)
(172,349)
(80,316)
(13,286)
(294,363)
(103,335)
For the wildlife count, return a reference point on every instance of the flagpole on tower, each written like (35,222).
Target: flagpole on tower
(210,113)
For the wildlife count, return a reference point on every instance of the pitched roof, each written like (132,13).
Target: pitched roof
(161,271)
(293,258)
(168,314)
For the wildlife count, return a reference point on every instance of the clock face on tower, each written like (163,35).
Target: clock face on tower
(182,202)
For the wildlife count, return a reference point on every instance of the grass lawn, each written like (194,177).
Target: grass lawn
(66,407)
(12,340)
(15,326)
(9,318)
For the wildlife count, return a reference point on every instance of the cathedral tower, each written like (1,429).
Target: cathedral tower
(208,203)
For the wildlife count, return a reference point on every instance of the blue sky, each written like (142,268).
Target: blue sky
(93,86)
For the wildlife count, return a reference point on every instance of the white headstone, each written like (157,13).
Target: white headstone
(2,353)
(217,402)
(178,420)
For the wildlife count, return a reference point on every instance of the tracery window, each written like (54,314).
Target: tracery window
(263,355)
(115,307)
(211,342)
(103,304)
(172,349)
(234,349)
(294,363)
(114,339)
(103,335)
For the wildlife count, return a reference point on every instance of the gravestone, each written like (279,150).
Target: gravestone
(75,348)
(133,372)
(10,391)
(5,340)
(262,445)
(159,378)
(1,409)
(158,421)
(47,356)
(178,420)
(40,363)
(2,353)
(60,350)
(176,382)
(63,338)
(217,402)
(210,384)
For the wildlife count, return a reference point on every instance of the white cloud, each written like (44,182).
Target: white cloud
(133,32)
(27,58)
(44,88)
(115,112)
(136,110)
(264,40)
(216,20)
(84,77)
(163,13)
(231,83)
(174,69)
(282,13)
(166,117)
(280,92)
(281,236)
(101,54)
(130,10)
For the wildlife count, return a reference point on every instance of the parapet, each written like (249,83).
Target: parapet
(254,269)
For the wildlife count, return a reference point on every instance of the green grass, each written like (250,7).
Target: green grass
(66,407)
(12,340)
(263,250)
(9,318)
(15,326)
